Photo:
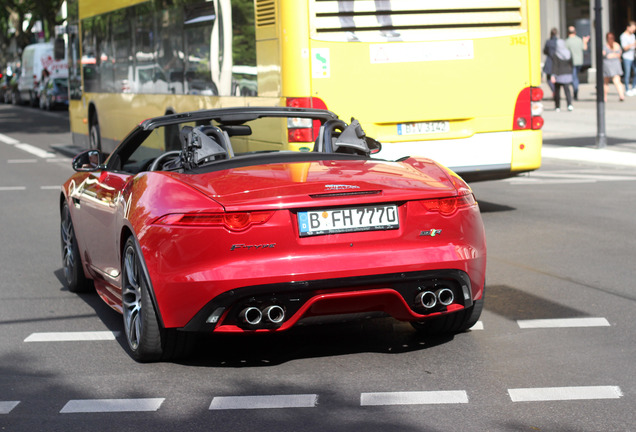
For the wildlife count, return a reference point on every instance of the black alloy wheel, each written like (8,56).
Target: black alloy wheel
(74,276)
(147,340)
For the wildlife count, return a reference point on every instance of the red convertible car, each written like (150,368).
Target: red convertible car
(186,228)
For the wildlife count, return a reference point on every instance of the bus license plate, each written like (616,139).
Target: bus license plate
(423,128)
(352,219)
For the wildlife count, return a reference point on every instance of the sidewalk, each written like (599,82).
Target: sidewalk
(572,135)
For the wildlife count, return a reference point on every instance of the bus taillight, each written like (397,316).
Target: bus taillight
(303,130)
(528,109)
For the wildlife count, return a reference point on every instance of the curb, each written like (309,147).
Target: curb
(583,154)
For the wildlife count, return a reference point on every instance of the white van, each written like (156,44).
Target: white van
(35,58)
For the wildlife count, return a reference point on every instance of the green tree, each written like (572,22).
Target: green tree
(18,17)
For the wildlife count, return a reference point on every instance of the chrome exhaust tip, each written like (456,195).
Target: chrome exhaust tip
(445,296)
(251,315)
(274,314)
(426,299)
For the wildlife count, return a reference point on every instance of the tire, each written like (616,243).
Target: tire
(147,340)
(74,276)
(94,137)
(456,322)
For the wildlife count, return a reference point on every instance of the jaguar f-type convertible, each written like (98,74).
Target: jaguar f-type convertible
(198,222)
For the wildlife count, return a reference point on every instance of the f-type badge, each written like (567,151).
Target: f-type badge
(430,233)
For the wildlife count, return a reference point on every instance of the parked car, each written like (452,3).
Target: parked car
(54,94)
(214,238)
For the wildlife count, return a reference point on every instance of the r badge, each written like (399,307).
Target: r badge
(430,233)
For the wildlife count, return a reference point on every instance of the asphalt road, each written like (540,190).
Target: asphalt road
(553,351)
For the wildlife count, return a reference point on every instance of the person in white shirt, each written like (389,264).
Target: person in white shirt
(628,43)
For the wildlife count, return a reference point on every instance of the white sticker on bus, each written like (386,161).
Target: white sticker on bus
(320,64)
(422,51)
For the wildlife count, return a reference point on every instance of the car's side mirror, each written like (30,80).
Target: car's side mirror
(89,160)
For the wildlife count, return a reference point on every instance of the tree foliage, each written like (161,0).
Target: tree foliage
(18,18)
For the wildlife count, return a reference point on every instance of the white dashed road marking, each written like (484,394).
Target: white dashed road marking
(71,336)
(22,161)
(414,398)
(564,393)
(8,140)
(36,151)
(12,188)
(563,323)
(264,402)
(111,405)
(479,325)
(7,406)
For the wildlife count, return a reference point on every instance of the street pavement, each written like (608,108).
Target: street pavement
(572,135)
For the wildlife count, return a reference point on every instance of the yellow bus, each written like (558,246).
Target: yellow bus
(457,81)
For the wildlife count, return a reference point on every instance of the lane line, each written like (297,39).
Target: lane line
(21,161)
(111,405)
(479,325)
(36,151)
(414,398)
(564,393)
(71,336)
(563,323)
(7,406)
(12,188)
(8,140)
(57,187)
(264,402)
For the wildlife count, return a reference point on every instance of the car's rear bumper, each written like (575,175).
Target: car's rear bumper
(394,294)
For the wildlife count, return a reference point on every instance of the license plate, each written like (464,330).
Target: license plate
(423,128)
(351,219)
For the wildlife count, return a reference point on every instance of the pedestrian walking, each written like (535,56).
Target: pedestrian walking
(577,47)
(549,49)
(612,69)
(628,43)
(562,74)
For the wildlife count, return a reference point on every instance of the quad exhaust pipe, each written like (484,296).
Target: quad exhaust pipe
(430,299)
(253,316)
(445,296)
(274,314)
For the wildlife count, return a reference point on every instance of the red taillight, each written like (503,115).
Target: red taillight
(448,206)
(528,109)
(536,94)
(232,221)
(303,130)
